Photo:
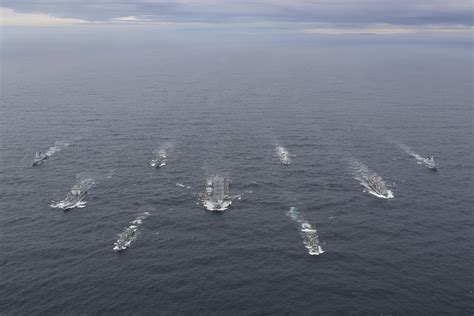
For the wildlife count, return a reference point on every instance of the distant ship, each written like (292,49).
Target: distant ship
(310,239)
(159,161)
(217,196)
(285,159)
(283,155)
(376,184)
(126,238)
(73,198)
(430,163)
(309,234)
(39,158)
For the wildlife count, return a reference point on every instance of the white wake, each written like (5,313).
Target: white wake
(58,146)
(427,162)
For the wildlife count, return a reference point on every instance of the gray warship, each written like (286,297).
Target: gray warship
(430,163)
(160,160)
(376,184)
(125,238)
(310,239)
(73,198)
(217,196)
(283,155)
(39,158)
(307,232)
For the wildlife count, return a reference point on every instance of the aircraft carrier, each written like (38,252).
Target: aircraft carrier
(217,196)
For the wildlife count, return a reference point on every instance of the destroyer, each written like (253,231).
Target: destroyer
(39,158)
(310,239)
(73,198)
(159,161)
(376,184)
(283,155)
(307,232)
(430,163)
(126,238)
(217,197)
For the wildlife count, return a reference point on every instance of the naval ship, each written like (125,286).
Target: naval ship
(283,155)
(217,196)
(310,239)
(39,157)
(159,161)
(126,238)
(309,234)
(430,163)
(73,198)
(376,184)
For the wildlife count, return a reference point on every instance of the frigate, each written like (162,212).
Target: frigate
(310,239)
(39,158)
(285,158)
(376,184)
(283,155)
(73,198)
(430,163)
(307,232)
(125,238)
(159,161)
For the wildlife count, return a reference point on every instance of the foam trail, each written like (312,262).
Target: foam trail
(410,152)
(140,218)
(363,174)
(129,234)
(40,157)
(65,205)
(58,146)
(307,232)
(85,182)
(178,184)
(215,206)
(283,155)
(419,159)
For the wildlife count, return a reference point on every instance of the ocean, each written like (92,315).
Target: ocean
(342,112)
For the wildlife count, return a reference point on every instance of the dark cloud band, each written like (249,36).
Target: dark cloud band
(402,12)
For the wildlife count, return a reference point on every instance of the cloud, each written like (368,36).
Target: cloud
(130,18)
(408,13)
(8,17)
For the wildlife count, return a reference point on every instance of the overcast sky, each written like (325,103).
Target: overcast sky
(309,15)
